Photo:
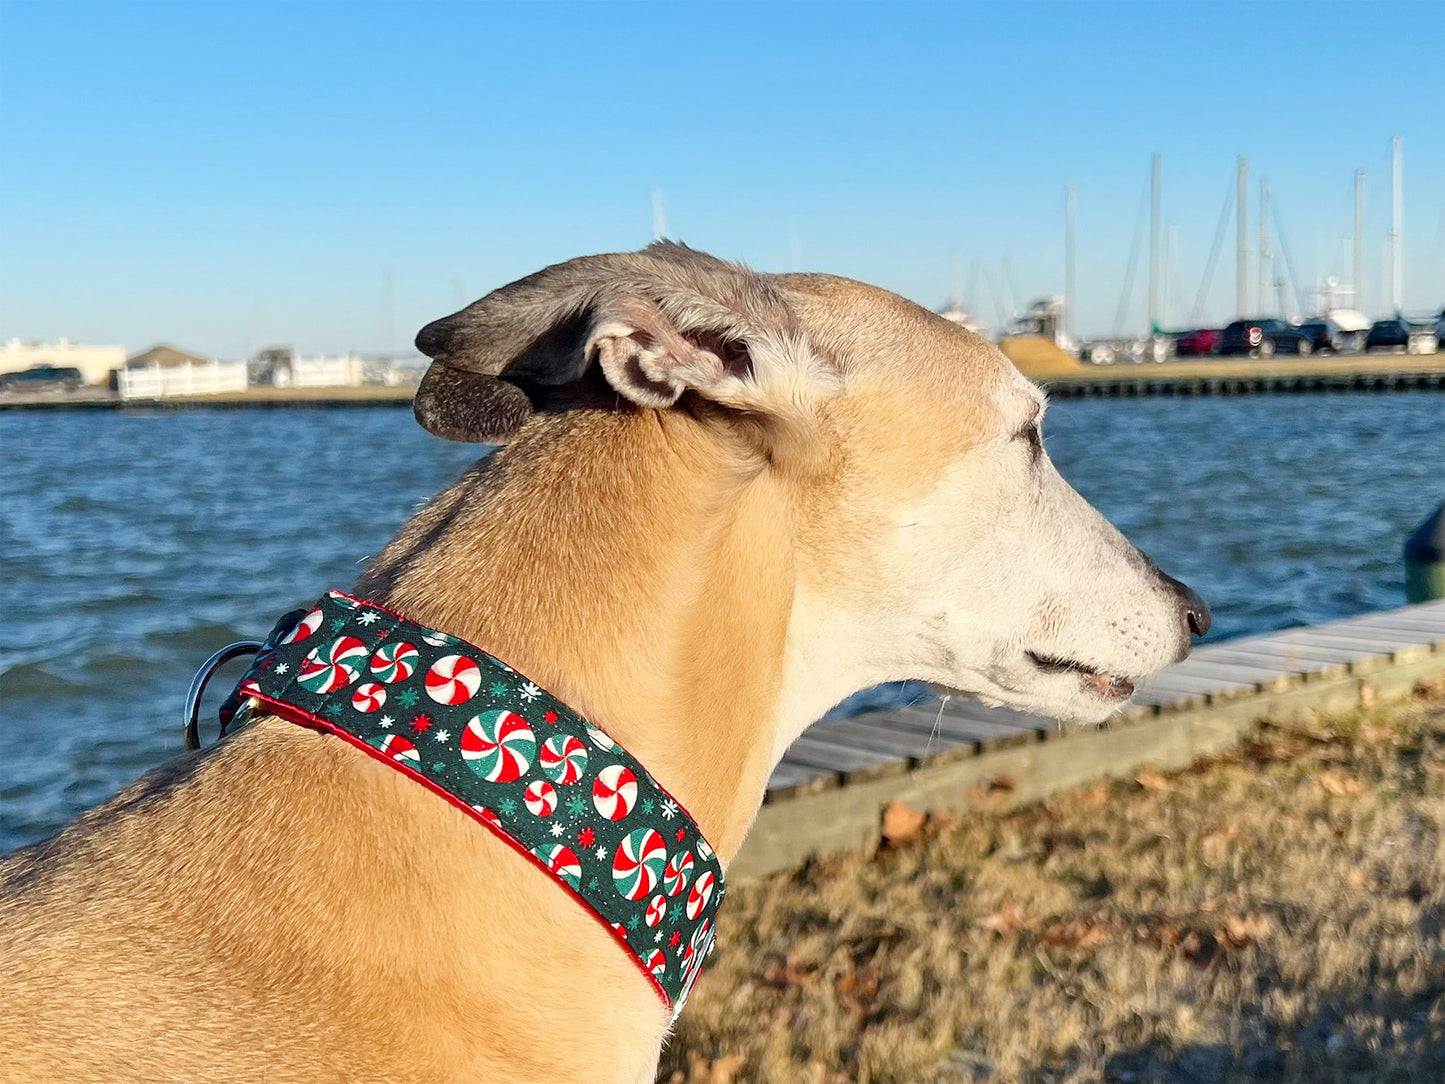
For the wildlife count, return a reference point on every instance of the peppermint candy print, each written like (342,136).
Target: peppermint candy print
(562,862)
(701,893)
(394,662)
(540,798)
(679,869)
(637,864)
(498,746)
(334,667)
(563,759)
(615,792)
(453,679)
(520,762)
(368,697)
(303,628)
(398,749)
(698,946)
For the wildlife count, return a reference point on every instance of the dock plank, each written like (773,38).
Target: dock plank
(871,732)
(1168,699)
(786,776)
(1427,630)
(833,756)
(983,732)
(1171,679)
(1381,643)
(963,707)
(1294,653)
(1292,662)
(1254,674)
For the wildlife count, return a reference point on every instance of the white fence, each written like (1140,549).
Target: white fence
(159,382)
(320,372)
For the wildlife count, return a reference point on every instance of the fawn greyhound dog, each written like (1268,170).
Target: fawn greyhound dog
(725,500)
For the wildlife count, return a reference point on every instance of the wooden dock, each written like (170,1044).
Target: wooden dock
(1244,376)
(832,785)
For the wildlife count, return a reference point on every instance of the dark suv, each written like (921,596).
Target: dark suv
(1262,338)
(1326,336)
(42,378)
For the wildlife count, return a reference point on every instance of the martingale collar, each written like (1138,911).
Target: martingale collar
(475,732)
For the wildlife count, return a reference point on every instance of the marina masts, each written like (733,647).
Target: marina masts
(1070,211)
(1241,251)
(1153,243)
(1265,256)
(1397,213)
(1359,255)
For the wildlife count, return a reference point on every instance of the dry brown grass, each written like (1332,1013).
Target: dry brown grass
(1274,914)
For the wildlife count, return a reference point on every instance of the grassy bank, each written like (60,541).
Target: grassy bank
(1273,914)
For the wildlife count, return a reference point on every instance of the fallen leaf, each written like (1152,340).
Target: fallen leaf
(1227,834)
(1246,929)
(901,823)
(1075,934)
(1152,781)
(1006,921)
(1338,784)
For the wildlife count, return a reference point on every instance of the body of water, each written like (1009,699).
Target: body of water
(134,545)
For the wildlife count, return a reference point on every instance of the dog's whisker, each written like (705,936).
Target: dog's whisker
(938,719)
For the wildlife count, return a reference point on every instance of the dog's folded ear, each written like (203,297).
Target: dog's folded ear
(658,323)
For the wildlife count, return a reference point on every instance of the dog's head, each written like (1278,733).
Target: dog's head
(931,536)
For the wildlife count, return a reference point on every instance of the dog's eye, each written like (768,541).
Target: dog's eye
(1031,436)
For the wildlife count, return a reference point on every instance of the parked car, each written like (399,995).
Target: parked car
(43,378)
(1389,334)
(1197,343)
(1262,338)
(1326,336)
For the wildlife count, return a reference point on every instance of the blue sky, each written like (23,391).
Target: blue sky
(333,175)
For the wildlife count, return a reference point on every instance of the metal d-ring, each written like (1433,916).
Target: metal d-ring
(203,676)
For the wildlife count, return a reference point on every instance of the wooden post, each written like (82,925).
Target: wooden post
(1425,559)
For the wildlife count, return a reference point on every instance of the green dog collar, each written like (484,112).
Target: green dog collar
(475,732)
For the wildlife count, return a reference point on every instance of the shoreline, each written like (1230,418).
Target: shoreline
(1393,372)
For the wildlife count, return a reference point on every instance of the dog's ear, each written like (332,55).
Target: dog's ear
(658,323)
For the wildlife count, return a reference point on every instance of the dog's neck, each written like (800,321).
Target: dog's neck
(639,567)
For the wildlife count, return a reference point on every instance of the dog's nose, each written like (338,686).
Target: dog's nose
(1193,610)
(1196,613)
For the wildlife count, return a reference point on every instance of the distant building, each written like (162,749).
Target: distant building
(280,367)
(165,356)
(95,363)
(1044,317)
